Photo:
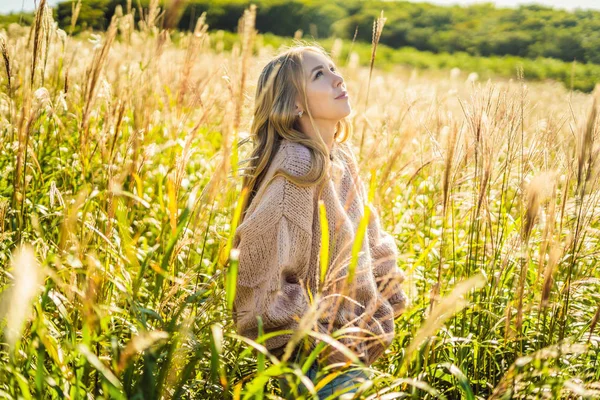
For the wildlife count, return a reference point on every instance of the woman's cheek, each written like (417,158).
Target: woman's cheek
(315,104)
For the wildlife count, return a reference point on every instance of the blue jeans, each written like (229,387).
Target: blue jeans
(349,378)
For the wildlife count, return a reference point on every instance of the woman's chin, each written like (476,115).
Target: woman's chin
(348,112)
(345,110)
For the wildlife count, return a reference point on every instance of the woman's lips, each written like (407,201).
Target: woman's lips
(342,96)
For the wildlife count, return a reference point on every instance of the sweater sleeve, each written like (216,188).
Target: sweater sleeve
(384,252)
(388,275)
(274,255)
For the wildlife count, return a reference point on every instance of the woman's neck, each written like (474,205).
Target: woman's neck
(325,127)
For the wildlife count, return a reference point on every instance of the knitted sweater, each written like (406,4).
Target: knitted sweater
(280,241)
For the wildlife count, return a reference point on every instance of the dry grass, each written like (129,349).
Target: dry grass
(118,157)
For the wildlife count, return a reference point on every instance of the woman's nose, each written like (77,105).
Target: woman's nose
(338,81)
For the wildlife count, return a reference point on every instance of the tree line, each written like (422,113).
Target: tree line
(529,31)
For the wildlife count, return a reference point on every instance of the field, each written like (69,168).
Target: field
(119,178)
(574,75)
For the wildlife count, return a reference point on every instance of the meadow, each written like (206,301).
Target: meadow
(121,156)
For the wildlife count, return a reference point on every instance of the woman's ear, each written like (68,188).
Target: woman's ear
(298,105)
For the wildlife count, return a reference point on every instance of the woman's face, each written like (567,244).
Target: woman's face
(323,85)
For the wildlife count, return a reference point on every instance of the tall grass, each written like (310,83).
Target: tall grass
(119,187)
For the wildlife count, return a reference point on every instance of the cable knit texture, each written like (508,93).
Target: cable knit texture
(280,241)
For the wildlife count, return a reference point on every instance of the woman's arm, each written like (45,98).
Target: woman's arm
(382,245)
(384,253)
(274,246)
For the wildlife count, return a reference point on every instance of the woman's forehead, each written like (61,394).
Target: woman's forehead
(311,60)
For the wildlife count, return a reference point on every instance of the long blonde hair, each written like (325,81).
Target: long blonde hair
(279,83)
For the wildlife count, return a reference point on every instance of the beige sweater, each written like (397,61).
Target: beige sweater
(279,243)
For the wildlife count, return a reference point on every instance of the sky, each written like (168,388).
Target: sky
(7,6)
(564,4)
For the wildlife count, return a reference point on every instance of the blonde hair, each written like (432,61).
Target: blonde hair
(279,83)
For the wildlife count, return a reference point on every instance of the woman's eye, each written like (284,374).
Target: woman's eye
(320,72)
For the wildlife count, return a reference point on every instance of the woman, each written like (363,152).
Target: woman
(300,158)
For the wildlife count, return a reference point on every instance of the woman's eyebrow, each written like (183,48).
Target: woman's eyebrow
(318,67)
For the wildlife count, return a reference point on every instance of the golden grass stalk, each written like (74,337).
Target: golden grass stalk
(194,45)
(362,230)
(324,250)
(586,159)
(555,254)
(27,276)
(92,78)
(29,116)
(450,151)
(538,190)
(336,49)
(99,365)
(508,331)
(7,64)
(48,24)
(510,378)
(153,11)
(350,53)
(305,327)
(584,150)
(229,157)
(126,22)
(536,193)
(138,344)
(485,180)
(248,33)
(548,232)
(594,322)
(3,212)
(232,253)
(216,349)
(70,220)
(75,9)
(377,29)
(446,308)
(231,278)
(37,38)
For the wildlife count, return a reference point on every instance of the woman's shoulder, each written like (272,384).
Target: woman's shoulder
(294,157)
(278,196)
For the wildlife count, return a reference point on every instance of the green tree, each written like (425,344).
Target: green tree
(93,14)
